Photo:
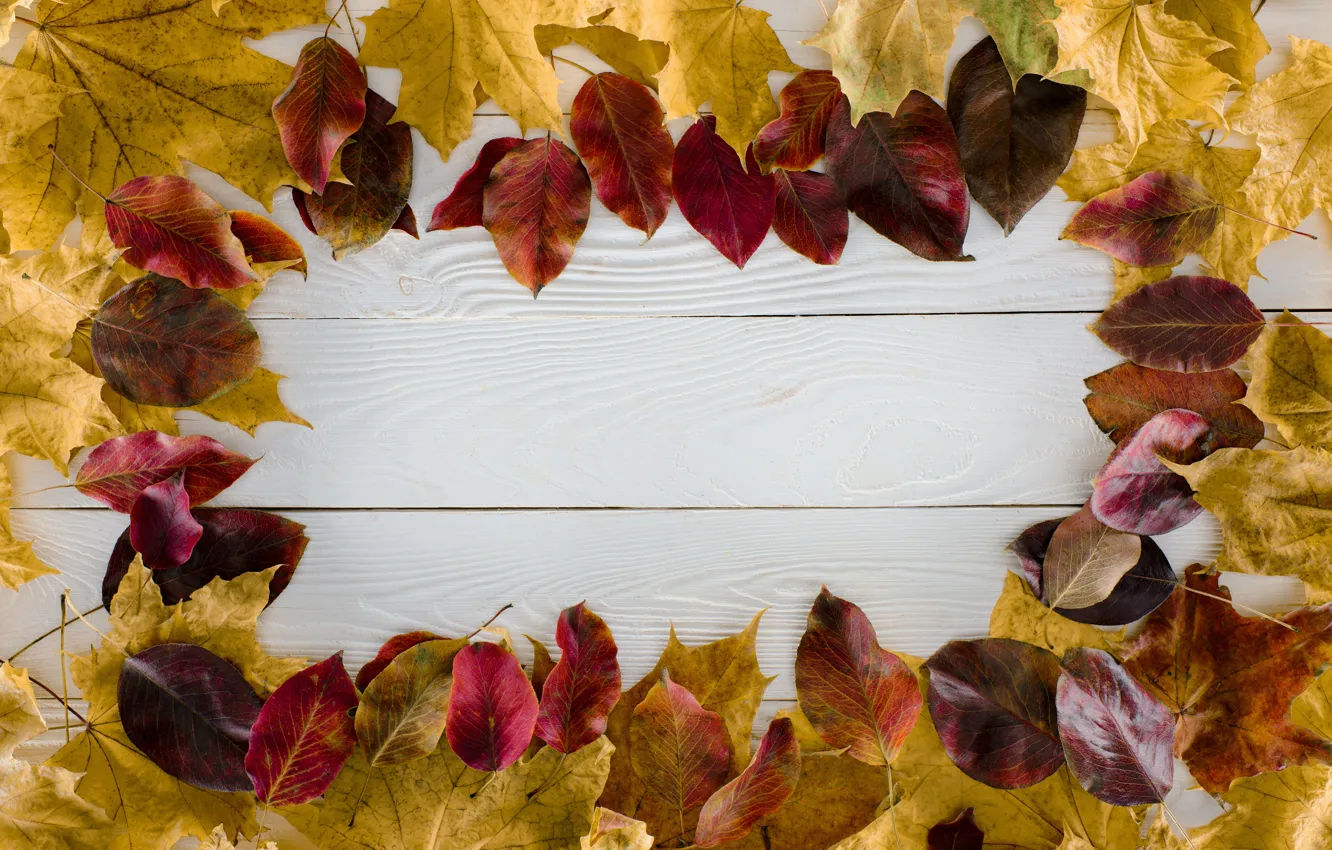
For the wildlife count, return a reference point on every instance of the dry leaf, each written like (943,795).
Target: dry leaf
(1020,615)
(1291,384)
(217,839)
(27,101)
(638,59)
(18,563)
(1231,21)
(1021,28)
(251,404)
(613,831)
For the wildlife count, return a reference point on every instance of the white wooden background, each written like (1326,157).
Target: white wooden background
(661,434)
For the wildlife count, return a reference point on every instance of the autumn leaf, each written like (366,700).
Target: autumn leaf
(1291,384)
(1124,397)
(217,839)
(402,712)
(266,244)
(18,563)
(492,707)
(638,59)
(1086,560)
(577,694)
(730,203)
(251,403)
(161,526)
(464,207)
(795,139)
(760,790)
(320,109)
(1135,492)
(810,215)
(392,648)
(1157,219)
(117,471)
(1018,614)
(613,831)
(1231,21)
(29,101)
(1022,29)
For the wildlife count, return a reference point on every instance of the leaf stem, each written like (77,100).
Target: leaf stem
(1268,223)
(892,807)
(39,683)
(1170,816)
(82,182)
(86,314)
(360,796)
(824,7)
(351,27)
(1219,598)
(488,622)
(64,679)
(555,771)
(46,634)
(332,19)
(585,70)
(29,21)
(16,496)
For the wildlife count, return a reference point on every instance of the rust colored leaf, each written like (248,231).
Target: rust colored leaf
(392,648)
(321,107)
(617,125)
(1183,324)
(759,791)
(1135,492)
(161,526)
(960,833)
(857,695)
(902,175)
(377,159)
(265,242)
(116,471)
(810,215)
(1156,219)
(464,206)
(1230,680)
(160,343)
(993,704)
(402,712)
(679,747)
(1117,737)
(730,204)
(537,203)
(794,140)
(492,708)
(1086,560)
(1124,397)
(579,693)
(304,735)
(168,225)
(1014,144)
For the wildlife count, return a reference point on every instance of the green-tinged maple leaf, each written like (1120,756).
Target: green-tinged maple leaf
(1021,28)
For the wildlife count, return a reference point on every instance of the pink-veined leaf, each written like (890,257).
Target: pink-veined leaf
(729,203)
(678,747)
(794,140)
(319,110)
(392,648)
(810,215)
(759,790)
(1135,492)
(1156,219)
(579,693)
(492,708)
(118,470)
(265,242)
(465,205)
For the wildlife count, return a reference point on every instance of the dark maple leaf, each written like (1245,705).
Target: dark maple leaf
(579,692)
(1124,397)
(1156,219)
(320,109)
(810,215)
(464,206)
(162,529)
(117,471)
(759,790)
(392,648)
(729,203)
(794,140)
(492,708)
(265,242)
(1135,492)
(960,833)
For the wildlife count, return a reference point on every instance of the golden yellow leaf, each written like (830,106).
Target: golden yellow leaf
(8,12)
(155,809)
(721,52)
(613,831)
(134,417)
(438,803)
(18,563)
(218,840)
(1231,21)
(882,49)
(27,101)
(1291,384)
(1129,279)
(251,404)
(1019,615)
(1148,63)
(20,717)
(636,58)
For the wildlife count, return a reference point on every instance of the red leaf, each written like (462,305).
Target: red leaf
(406,222)
(465,204)
(759,790)
(960,833)
(578,695)
(116,471)
(1184,324)
(857,695)
(161,526)
(1118,738)
(617,125)
(492,708)
(810,215)
(536,208)
(321,107)
(730,204)
(265,242)
(678,747)
(304,735)
(993,705)
(190,712)
(1157,219)
(1135,492)
(392,648)
(169,226)
(794,140)
(1124,397)
(902,175)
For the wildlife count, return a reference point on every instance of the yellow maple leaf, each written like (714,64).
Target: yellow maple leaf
(155,809)
(613,831)
(1019,615)
(218,840)
(882,49)
(1291,387)
(636,58)
(1231,21)
(18,563)
(20,717)
(27,101)
(251,404)
(721,52)
(1148,63)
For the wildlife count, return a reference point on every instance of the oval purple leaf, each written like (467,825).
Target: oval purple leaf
(1030,546)
(162,529)
(1135,492)
(730,204)
(118,470)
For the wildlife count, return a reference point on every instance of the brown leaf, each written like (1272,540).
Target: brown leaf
(1086,560)
(1124,397)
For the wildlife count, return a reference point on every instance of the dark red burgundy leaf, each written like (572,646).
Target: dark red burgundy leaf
(321,107)
(492,708)
(303,736)
(795,139)
(190,712)
(1030,546)
(1183,324)
(1135,492)
(265,242)
(234,541)
(464,205)
(730,204)
(760,789)
(1119,739)
(392,648)
(406,222)
(993,705)
(810,215)
(1124,397)
(578,695)
(1156,219)
(160,343)
(1014,144)
(960,833)
(161,526)
(902,175)
(116,471)
(617,125)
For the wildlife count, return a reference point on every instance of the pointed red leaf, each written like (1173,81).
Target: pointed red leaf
(960,833)
(810,215)
(1119,739)
(1135,492)
(993,705)
(161,526)
(678,747)
(169,226)
(1157,219)
(321,107)
(116,471)
(492,708)
(759,790)
(795,139)
(730,204)
(617,125)
(392,648)
(265,242)
(1183,324)
(578,695)
(406,222)
(465,204)
(536,208)
(857,695)
(902,175)
(1124,397)
(304,735)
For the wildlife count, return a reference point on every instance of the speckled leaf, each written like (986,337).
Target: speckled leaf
(321,107)
(794,140)
(115,472)
(265,242)
(464,206)
(759,791)
(1156,219)
(730,204)
(401,716)
(679,747)
(161,526)
(1134,491)
(577,695)
(1124,397)
(960,833)
(810,214)
(392,648)
(492,708)
(1086,560)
